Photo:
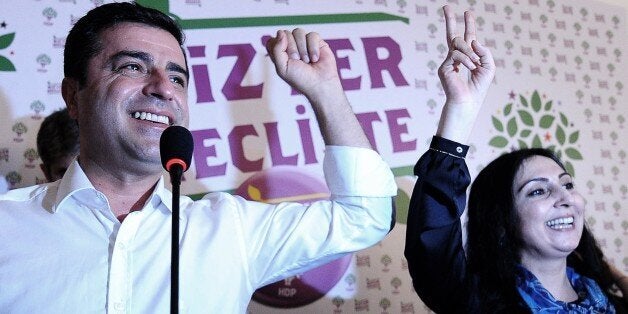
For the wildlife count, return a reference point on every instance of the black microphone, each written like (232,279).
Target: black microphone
(176,146)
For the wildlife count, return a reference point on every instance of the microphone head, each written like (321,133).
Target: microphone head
(176,146)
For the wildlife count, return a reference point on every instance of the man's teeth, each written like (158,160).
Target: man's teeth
(560,223)
(151,117)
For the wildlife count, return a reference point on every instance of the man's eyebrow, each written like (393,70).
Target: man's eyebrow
(147,58)
(171,66)
(132,54)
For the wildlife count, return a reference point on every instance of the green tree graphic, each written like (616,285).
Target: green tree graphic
(509,45)
(618,242)
(384,303)
(38,107)
(386,260)
(552,38)
(43,60)
(5,63)
(19,129)
(517,30)
(532,123)
(49,13)
(13,178)
(395,282)
(337,301)
(350,279)
(479,21)
(432,29)
(31,154)
(402,4)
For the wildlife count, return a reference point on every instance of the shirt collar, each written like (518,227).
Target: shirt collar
(76,183)
(161,195)
(73,181)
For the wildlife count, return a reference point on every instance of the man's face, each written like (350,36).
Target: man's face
(135,88)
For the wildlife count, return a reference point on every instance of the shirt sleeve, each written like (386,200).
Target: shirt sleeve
(289,238)
(434,249)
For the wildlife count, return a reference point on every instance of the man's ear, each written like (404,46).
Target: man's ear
(69,91)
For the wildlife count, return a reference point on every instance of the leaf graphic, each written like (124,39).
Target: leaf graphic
(6,64)
(6,40)
(552,148)
(526,118)
(569,168)
(254,193)
(573,137)
(546,121)
(536,101)
(560,135)
(497,124)
(536,142)
(523,101)
(573,153)
(512,127)
(563,119)
(498,141)
(548,106)
(522,144)
(525,133)
(507,109)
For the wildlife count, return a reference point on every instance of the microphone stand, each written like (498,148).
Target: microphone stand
(175,179)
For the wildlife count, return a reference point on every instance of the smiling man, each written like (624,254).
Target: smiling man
(98,240)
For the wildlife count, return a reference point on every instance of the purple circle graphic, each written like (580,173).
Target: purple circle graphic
(289,184)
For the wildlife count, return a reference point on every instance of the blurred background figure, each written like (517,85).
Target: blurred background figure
(4,185)
(57,144)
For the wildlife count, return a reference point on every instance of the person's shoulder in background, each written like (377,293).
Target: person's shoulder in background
(4,185)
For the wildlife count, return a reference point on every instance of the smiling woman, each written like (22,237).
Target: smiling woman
(528,249)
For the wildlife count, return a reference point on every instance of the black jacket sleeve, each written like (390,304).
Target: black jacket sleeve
(434,249)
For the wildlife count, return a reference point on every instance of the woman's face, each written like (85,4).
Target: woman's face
(550,209)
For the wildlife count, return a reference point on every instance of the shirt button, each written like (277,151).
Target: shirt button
(459,149)
(118,306)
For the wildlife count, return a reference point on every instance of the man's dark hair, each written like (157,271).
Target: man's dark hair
(57,137)
(83,41)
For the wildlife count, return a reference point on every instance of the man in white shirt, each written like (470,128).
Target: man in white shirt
(98,240)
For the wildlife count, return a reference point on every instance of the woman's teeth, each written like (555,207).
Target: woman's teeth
(560,223)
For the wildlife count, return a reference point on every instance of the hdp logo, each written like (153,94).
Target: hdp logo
(289,184)
(530,123)
(5,41)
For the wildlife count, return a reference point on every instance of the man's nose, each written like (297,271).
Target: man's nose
(159,85)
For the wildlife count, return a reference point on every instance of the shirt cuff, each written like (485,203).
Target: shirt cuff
(356,171)
(449,147)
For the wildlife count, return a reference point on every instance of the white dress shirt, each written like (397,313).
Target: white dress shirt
(62,250)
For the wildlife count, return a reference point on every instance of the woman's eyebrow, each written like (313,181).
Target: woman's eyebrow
(532,180)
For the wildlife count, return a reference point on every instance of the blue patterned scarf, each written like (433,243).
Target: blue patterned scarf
(591,299)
